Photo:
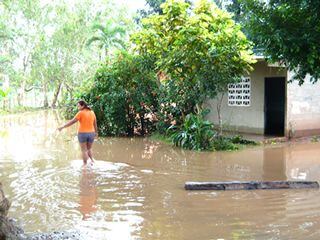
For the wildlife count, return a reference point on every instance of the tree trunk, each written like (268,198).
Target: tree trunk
(45,100)
(21,92)
(198,109)
(130,121)
(143,125)
(219,114)
(106,54)
(56,95)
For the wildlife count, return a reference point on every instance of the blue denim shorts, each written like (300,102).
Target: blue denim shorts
(86,137)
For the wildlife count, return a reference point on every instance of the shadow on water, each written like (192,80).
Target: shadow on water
(135,188)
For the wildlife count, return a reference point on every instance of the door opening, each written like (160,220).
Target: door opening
(274,100)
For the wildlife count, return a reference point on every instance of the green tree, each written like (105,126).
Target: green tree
(108,36)
(43,45)
(124,95)
(289,30)
(198,51)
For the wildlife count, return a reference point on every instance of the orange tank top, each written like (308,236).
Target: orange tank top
(86,120)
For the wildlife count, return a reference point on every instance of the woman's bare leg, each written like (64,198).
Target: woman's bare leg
(84,151)
(89,147)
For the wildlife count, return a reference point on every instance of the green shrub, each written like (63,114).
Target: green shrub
(177,99)
(124,96)
(195,133)
(238,139)
(222,143)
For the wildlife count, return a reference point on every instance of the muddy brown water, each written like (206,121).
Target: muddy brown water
(135,188)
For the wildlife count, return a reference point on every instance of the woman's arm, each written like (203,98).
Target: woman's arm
(95,127)
(68,124)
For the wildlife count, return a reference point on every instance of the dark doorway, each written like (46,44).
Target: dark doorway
(274,99)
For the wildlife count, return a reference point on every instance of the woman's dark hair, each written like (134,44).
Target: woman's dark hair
(84,104)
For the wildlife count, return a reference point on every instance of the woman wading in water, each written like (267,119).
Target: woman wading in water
(87,130)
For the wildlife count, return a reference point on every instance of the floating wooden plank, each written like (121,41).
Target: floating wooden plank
(252,185)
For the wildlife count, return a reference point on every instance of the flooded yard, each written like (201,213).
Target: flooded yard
(135,189)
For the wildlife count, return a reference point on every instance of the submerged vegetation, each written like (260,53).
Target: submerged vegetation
(196,133)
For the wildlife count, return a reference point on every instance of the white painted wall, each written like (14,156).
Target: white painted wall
(303,116)
(247,119)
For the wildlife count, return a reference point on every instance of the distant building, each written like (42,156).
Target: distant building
(264,103)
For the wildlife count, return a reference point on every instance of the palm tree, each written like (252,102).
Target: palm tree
(108,36)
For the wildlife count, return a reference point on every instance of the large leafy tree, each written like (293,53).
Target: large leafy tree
(108,36)
(124,95)
(289,30)
(27,19)
(43,45)
(6,39)
(198,52)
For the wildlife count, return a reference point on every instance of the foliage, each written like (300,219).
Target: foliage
(124,96)
(154,7)
(4,93)
(233,6)
(184,56)
(156,136)
(315,139)
(198,52)
(43,45)
(238,139)
(289,30)
(108,36)
(229,143)
(223,143)
(195,133)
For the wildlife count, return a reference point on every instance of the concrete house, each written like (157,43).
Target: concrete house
(265,104)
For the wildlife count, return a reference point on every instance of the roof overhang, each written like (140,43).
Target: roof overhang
(260,58)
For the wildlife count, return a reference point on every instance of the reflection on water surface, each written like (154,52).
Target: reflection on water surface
(135,188)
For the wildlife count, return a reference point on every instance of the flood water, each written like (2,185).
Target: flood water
(135,189)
